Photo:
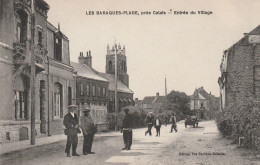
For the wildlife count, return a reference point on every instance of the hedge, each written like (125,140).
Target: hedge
(241,120)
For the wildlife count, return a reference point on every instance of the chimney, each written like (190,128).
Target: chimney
(81,58)
(157,94)
(85,60)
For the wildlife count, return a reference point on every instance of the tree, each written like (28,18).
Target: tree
(178,102)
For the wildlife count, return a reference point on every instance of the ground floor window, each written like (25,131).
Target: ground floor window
(20,107)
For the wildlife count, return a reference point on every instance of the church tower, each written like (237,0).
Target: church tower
(121,63)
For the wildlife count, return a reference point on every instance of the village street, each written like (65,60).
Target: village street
(189,146)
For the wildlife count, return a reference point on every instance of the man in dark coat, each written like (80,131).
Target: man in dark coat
(173,121)
(71,123)
(149,120)
(127,130)
(89,129)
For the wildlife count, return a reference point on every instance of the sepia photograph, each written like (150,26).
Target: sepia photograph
(129,82)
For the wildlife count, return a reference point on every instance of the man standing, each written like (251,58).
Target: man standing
(173,121)
(89,129)
(157,125)
(71,123)
(149,120)
(127,130)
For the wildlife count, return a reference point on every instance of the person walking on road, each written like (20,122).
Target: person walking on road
(71,123)
(149,120)
(89,129)
(127,130)
(157,125)
(173,121)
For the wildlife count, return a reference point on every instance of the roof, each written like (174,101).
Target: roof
(111,86)
(255,31)
(200,93)
(148,99)
(153,99)
(85,71)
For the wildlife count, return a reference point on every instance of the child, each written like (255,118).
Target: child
(157,125)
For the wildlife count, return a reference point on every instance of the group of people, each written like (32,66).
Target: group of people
(72,128)
(88,128)
(156,122)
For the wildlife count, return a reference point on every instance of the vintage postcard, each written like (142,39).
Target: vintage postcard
(129,82)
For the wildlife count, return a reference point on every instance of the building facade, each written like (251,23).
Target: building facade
(240,70)
(204,104)
(154,102)
(54,83)
(91,90)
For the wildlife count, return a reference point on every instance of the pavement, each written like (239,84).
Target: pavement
(8,148)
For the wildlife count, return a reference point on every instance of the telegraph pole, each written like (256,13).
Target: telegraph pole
(116,106)
(32,78)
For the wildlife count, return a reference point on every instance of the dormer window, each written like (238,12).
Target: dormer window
(58,49)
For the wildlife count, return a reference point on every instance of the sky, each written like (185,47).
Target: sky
(186,49)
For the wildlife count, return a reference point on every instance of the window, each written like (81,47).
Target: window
(58,49)
(81,89)
(87,90)
(39,38)
(21,26)
(98,92)
(104,92)
(110,65)
(93,90)
(20,112)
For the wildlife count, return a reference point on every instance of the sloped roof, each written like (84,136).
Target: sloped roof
(148,99)
(200,93)
(87,72)
(153,99)
(111,86)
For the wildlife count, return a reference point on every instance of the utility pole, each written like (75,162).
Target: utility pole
(32,78)
(116,106)
(165,88)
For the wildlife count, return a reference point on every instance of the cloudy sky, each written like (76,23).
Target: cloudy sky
(187,49)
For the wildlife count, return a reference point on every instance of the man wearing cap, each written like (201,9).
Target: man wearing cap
(127,130)
(71,123)
(149,120)
(88,128)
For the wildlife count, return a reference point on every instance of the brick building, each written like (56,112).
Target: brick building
(54,83)
(204,104)
(240,70)
(91,89)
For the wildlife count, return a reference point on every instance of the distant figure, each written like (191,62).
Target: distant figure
(149,120)
(89,129)
(157,125)
(173,121)
(166,120)
(127,130)
(71,122)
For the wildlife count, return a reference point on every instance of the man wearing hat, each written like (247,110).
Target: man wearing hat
(127,130)
(71,123)
(89,129)
(149,120)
